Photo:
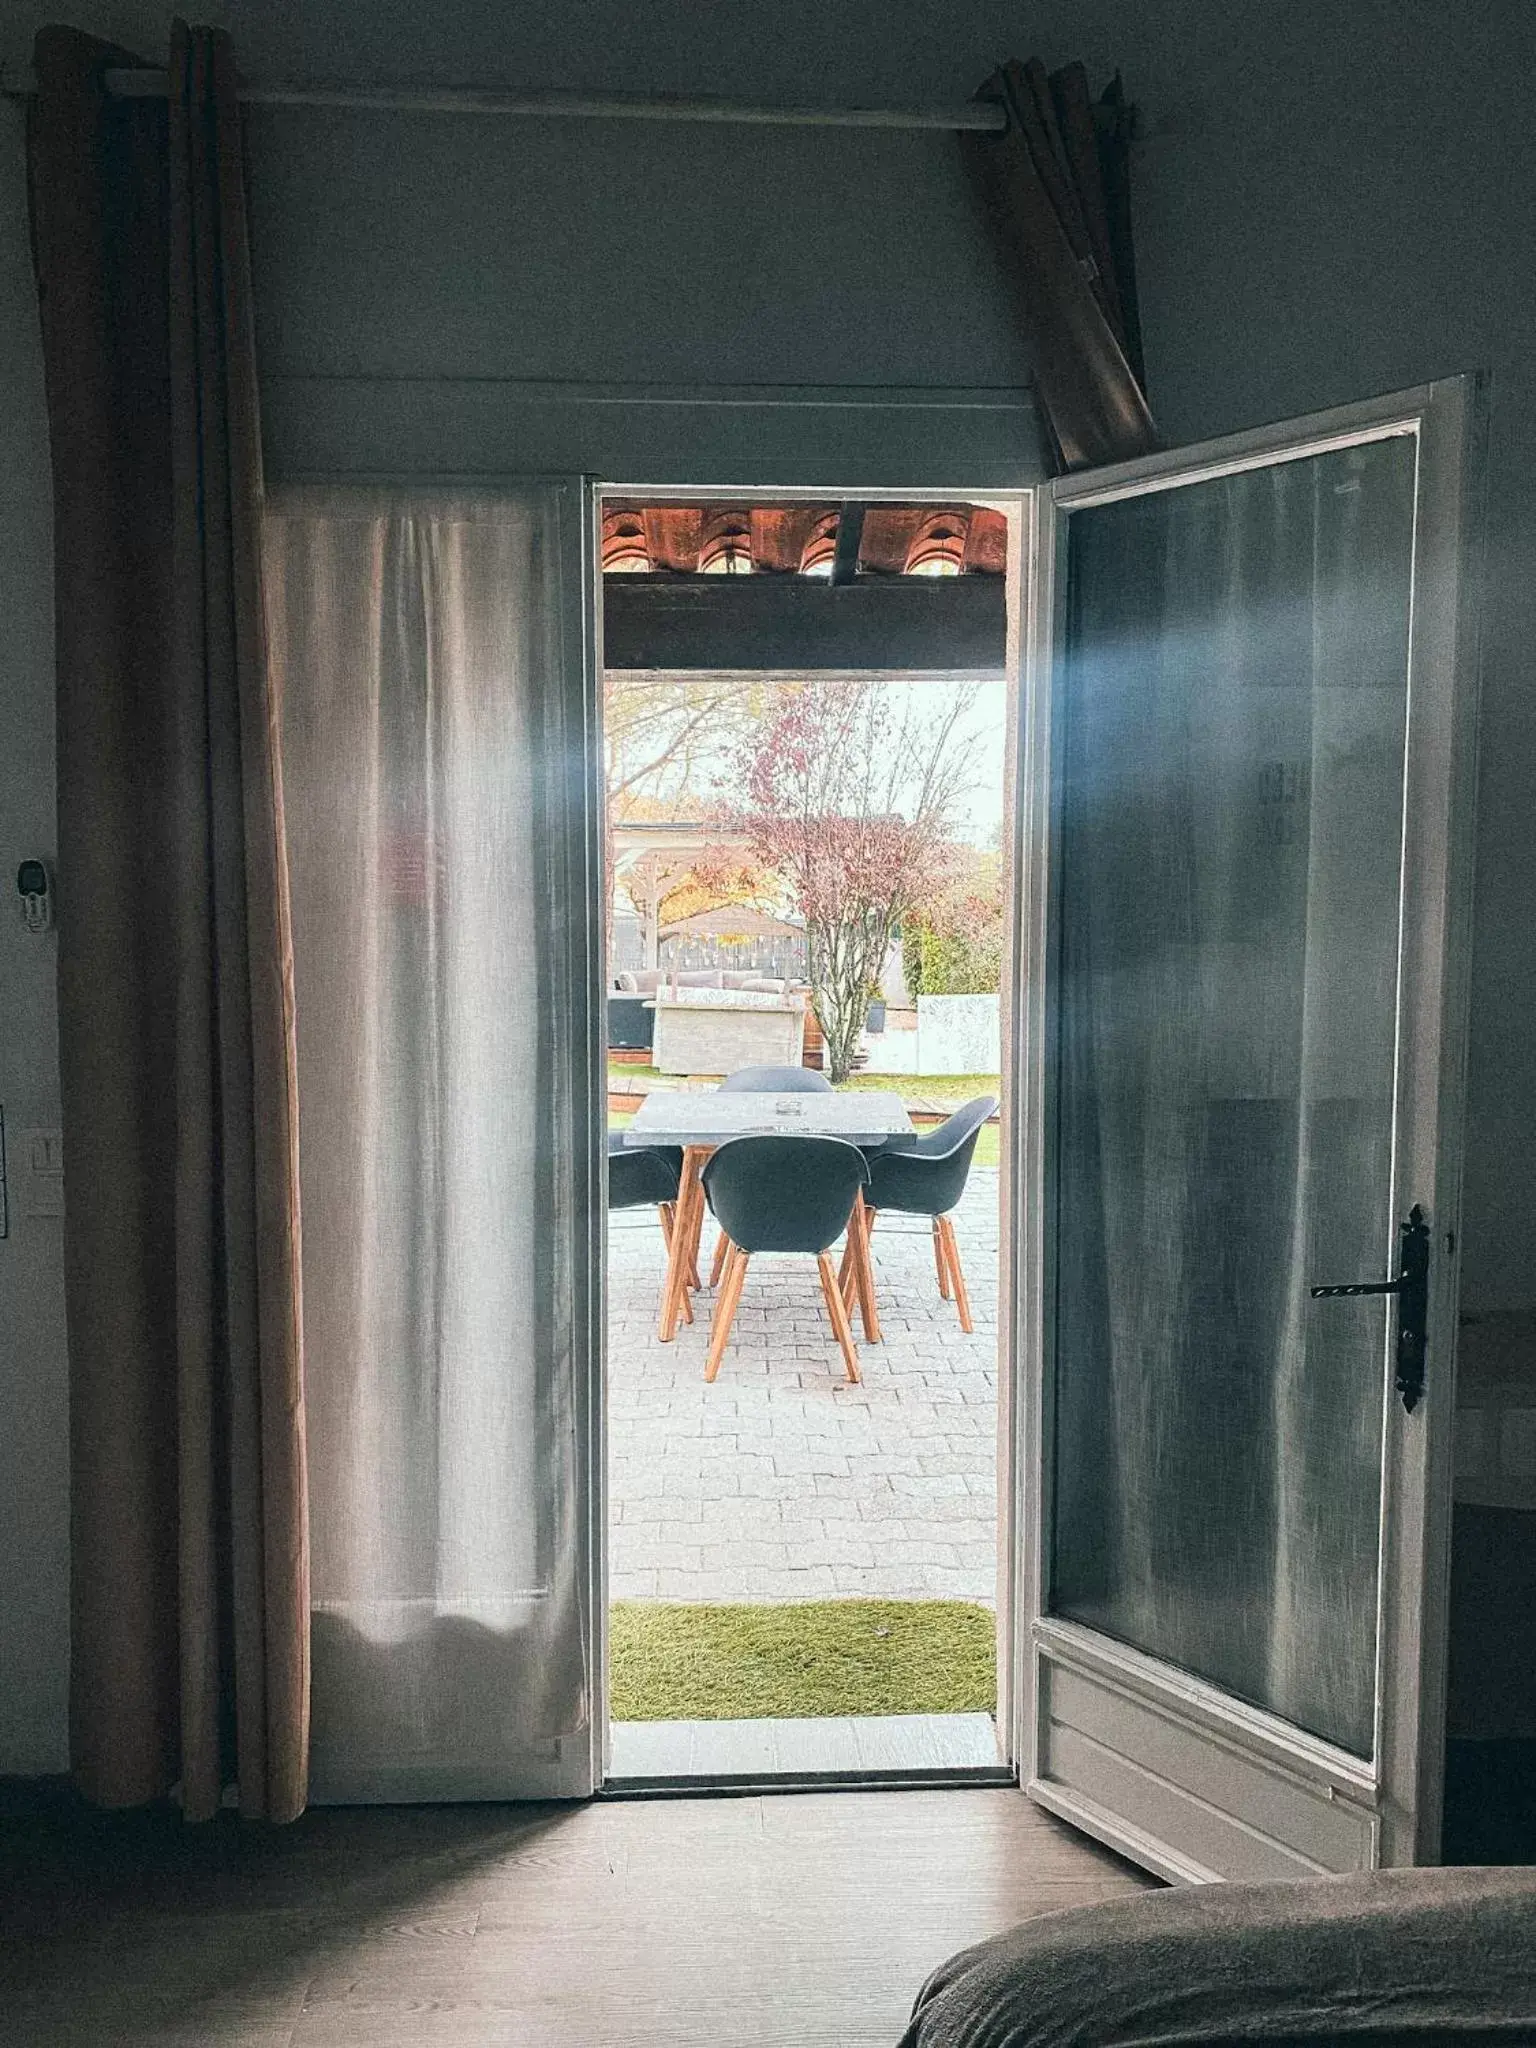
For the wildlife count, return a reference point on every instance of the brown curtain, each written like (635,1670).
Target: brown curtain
(190,1658)
(1056,188)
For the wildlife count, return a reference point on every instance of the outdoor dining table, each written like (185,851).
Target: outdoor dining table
(701,1120)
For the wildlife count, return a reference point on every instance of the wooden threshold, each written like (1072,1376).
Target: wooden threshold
(824,1753)
(996,1776)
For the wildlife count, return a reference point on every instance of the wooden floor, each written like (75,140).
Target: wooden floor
(804,1919)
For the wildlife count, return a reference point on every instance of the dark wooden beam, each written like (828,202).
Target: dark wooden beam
(916,625)
(850,532)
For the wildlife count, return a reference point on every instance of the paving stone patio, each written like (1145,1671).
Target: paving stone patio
(780,1481)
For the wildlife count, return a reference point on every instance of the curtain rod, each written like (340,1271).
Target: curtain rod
(979,116)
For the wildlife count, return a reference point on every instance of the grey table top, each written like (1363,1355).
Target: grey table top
(678,1117)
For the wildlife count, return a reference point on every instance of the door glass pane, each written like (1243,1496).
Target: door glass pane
(1235,694)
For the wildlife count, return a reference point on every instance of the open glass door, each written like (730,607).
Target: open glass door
(1247,789)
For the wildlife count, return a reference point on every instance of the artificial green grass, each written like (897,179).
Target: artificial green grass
(814,1657)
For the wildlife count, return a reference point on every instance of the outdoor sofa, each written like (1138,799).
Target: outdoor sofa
(632,1020)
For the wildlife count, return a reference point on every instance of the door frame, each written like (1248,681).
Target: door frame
(1019,501)
(1394,1801)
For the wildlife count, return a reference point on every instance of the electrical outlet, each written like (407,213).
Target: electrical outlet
(45,1196)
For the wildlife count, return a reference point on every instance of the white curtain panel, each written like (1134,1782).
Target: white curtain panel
(416,643)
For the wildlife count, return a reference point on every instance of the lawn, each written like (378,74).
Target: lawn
(815,1657)
(950,1090)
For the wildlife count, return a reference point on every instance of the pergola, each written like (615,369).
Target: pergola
(651,855)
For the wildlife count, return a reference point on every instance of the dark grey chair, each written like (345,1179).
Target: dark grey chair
(926,1176)
(775,1194)
(647,1176)
(776,1081)
(765,1081)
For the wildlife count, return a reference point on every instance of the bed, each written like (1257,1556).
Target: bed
(1396,1959)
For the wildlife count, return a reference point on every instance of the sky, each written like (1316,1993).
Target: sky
(983,801)
(979,814)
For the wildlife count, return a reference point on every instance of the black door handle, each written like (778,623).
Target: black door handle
(1412,1287)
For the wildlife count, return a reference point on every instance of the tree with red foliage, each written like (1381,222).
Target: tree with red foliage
(846,794)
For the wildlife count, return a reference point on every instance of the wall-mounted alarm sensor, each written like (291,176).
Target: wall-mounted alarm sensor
(35,888)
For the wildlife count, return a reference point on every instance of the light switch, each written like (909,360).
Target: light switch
(41,1153)
(46,1151)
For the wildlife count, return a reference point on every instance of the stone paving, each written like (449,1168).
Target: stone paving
(780,1481)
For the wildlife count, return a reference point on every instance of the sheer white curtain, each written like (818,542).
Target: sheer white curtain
(417,644)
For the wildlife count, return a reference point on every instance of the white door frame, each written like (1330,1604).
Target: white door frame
(1356,1814)
(574,1766)
(1019,502)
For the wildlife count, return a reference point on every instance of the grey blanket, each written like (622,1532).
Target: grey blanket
(1398,1959)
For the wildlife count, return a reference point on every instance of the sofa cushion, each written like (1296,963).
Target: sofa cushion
(631,1023)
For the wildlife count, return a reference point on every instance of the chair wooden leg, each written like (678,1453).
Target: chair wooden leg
(864,1274)
(667,1212)
(952,1254)
(725,1309)
(837,1309)
(674,1292)
(939,1260)
(696,1231)
(848,1267)
(856,1251)
(722,1246)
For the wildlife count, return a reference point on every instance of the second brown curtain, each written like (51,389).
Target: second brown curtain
(189,1532)
(1055,184)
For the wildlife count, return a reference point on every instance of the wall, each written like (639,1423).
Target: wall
(429,313)
(1330,202)
(1333,199)
(34,1408)
(1361,197)
(34,1476)
(1360,203)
